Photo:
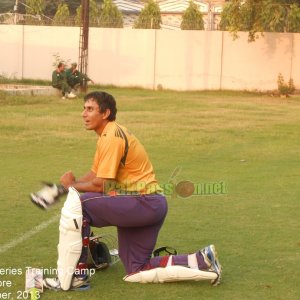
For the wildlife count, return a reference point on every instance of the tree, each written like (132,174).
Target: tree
(110,16)
(273,17)
(35,7)
(293,24)
(260,16)
(73,5)
(149,17)
(242,16)
(62,14)
(51,7)
(192,18)
(94,14)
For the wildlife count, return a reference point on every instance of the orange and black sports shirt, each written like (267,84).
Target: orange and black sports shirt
(122,158)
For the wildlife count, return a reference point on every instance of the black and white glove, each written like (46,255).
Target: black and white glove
(47,195)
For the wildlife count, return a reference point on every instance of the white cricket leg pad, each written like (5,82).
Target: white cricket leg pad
(70,240)
(170,274)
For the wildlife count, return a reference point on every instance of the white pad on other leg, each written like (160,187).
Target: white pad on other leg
(70,240)
(170,274)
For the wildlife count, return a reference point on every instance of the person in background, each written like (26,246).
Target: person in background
(75,79)
(59,81)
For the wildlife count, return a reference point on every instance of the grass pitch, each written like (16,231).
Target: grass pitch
(248,141)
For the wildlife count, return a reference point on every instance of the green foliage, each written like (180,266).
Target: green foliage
(51,7)
(149,17)
(58,59)
(241,16)
(62,14)
(260,16)
(228,19)
(110,16)
(192,18)
(293,24)
(94,13)
(232,17)
(285,88)
(273,16)
(73,5)
(35,7)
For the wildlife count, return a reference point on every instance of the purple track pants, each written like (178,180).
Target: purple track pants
(138,219)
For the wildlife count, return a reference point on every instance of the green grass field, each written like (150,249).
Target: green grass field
(251,142)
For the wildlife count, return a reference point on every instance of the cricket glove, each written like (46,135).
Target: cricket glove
(47,195)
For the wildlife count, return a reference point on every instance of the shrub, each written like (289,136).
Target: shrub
(285,88)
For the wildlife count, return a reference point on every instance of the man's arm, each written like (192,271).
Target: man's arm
(87,177)
(54,79)
(87,183)
(84,77)
(68,73)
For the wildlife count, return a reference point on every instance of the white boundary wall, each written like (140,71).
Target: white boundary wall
(179,60)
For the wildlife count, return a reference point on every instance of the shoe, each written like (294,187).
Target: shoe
(71,95)
(52,284)
(63,97)
(78,283)
(211,258)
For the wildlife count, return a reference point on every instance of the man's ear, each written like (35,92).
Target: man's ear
(106,114)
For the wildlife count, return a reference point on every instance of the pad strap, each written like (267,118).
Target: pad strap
(170,261)
(192,261)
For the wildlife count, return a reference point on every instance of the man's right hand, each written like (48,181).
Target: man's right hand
(67,179)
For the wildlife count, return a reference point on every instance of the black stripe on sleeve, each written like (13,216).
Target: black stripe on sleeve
(123,135)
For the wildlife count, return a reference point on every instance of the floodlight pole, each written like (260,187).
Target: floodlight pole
(84,40)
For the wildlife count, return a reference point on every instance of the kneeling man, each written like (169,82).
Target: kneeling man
(120,190)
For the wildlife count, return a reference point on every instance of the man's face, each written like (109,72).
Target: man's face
(92,117)
(61,68)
